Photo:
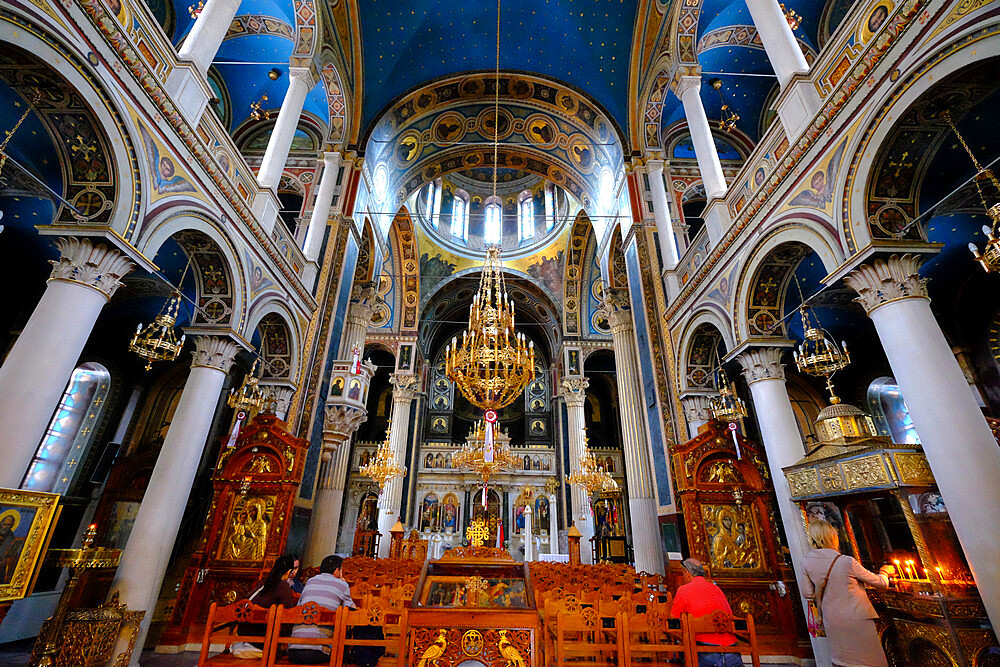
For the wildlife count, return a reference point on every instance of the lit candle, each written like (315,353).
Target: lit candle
(940,576)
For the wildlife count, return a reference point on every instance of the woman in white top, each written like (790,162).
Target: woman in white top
(848,615)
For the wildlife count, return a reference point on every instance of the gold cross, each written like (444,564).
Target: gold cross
(477,533)
(901,164)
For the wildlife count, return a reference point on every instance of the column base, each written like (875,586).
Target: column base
(386,520)
(310,272)
(189,90)
(646,535)
(265,208)
(324,526)
(717,220)
(797,105)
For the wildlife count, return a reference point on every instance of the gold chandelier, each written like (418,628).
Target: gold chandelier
(383,467)
(990,257)
(726,406)
(794,19)
(591,475)
(249,398)
(728,117)
(818,354)
(157,341)
(484,458)
(494,362)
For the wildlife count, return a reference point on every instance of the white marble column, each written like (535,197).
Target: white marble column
(529,545)
(779,42)
(300,82)
(688,90)
(661,213)
(34,374)
(365,301)
(574,391)
(779,430)
(697,412)
(147,553)
(321,207)
(406,387)
(955,437)
(205,38)
(553,525)
(638,469)
(339,424)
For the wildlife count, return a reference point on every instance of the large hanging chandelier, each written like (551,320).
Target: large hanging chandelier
(726,406)
(157,340)
(383,467)
(590,475)
(818,354)
(990,256)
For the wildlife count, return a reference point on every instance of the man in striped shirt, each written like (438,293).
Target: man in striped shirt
(327,589)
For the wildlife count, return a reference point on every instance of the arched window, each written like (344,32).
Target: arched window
(890,413)
(437,192)
(460,215)
(525,216)
(550,206)
(70,432)
(492,230)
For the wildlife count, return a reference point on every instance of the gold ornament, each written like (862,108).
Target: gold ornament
(818,354)
(157,341)
(591,475)
(477,532)
(727,406)
(383,467)
(728,117)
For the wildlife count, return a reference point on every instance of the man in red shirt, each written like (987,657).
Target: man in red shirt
(698,596)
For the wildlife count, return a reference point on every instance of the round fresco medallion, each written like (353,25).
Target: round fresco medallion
(581,152)
(492,129)
(408,148)
(520,89)
(448,128)
(541,130)
(472,87)
(566,101)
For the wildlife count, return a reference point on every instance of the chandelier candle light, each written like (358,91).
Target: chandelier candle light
(157,341)
(728,407)
(818,354)
(591,475)
(383,467)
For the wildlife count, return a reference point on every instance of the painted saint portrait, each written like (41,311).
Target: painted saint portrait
(354,393)
(248,529)
(877,18)
(14,524)
(337,388)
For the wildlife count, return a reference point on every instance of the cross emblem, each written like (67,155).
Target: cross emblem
(80,146)
(474,584)
(477,533)
(901,164)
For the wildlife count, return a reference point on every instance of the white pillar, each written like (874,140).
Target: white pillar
(406,387)
(697,412)
(574,391)
(365,301)
(35,373)
(661,213)
(205,38)
(955,437)
(300,82)
(147,553)
(321,207)
(638,470)
(779,430)
(688,90)
(529,545)
(553,525)
(779,42)
(339,423)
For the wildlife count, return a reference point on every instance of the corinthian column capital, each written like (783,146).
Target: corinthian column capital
(685,83)
(94,265)
(365,302)
(574,390)
(762,363)
(697,408)
(405,386)
(214,352)
(617,307)
(885,280)
(339,423)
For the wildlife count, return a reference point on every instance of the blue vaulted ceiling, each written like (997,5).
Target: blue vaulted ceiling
(585,43)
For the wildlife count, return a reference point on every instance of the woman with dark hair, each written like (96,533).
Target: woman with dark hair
(269,590)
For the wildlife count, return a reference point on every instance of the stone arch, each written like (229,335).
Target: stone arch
(868,146)
(581,246)
(406,270)
(703,325)
(765,278)
(113,199)
(214,258)
(280,338)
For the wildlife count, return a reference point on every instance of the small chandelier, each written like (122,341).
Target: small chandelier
(250,398)
(255,109)
(195,10)
(484,457)
(729,118)
(989,258)
(157,341)
(794,19)
(818,354)
(727,406)
(591,475)
(383,467)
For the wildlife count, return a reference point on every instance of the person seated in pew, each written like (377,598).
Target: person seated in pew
(329,590)
(269,590)
(699,597)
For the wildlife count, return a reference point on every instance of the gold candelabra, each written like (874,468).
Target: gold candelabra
(726,406)
(494,362)
(794,19)
(818,354)
(990,256)
(383,467)
(249,397)
(255,109)
(485,459)
(157,340)
(591,475)
(728,117)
